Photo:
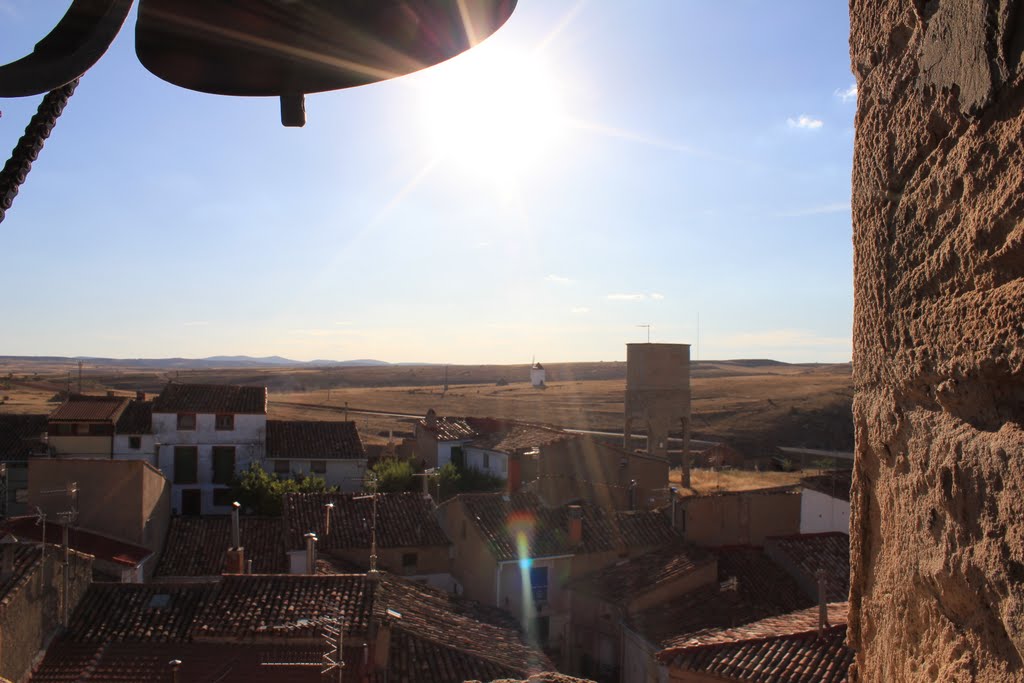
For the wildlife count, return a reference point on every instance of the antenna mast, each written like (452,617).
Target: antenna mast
(648,326)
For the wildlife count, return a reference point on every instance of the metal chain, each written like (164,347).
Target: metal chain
(27,150)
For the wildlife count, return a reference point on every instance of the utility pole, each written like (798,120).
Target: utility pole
(68,517)
(373,523)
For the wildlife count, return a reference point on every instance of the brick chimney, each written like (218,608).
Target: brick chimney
(515,473)
(575,525)
(380,639)
(140,395)
(431,418)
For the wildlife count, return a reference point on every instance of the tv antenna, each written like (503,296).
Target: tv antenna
(648,326)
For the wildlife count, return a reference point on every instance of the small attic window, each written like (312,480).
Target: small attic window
(159,601)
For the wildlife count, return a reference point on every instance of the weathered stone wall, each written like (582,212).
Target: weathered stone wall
(938,210)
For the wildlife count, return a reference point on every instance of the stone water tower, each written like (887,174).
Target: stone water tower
(657,395)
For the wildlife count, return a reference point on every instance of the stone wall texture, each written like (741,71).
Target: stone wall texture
(938,212)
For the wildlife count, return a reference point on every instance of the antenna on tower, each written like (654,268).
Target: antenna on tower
(648,326)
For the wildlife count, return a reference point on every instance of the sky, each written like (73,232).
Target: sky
(592,167)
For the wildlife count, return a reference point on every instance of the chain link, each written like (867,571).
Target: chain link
(27,150)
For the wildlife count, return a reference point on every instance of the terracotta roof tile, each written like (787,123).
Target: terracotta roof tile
(404,520)
(628,579)
(450,428)
(836,484)
(130,632)
(81,408)
(211,398)
(197,546)
(782,649)
(26,560)
(805,554)
(313,440)
(761,589)
(137,418)
(499,518)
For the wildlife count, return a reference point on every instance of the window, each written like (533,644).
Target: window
(187,421)
(186,465)
(487,460)
(135,442)
(318,466)
(223,464)
(409,563)
(222,497)
(282,467)
(224,423)
(539,583)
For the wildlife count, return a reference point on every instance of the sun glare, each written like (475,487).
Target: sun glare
(492,114)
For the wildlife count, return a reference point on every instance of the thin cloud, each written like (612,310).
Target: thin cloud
(559,279)
(805,122)
(847,95)
(836,207)
(653,296)
(580,310)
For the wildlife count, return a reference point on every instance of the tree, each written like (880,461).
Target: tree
(394,475)
(260,491)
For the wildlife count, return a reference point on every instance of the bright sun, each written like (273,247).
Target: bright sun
(492,114)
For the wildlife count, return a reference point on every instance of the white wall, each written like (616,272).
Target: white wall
(444,451)
(820,513)
(497,464)
(536,376)
(146,451)
(347,474)
(248,437)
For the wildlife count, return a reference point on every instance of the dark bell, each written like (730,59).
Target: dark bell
(287,48)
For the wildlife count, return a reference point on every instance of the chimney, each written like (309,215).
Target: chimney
(140,395)
(675,497)
(515,473)
(575,525)
(110,394)
(310,553)
(174,665)
(823,624)
(632,494)
(380,639)
(431,418)
(328,508)
(236,553)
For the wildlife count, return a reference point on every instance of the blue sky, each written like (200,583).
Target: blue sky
(669,159)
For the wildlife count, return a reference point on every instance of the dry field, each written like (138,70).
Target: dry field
(753,405)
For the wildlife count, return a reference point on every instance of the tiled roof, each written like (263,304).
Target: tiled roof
(81,408)
(404,520)
(762,589)
(313,440)
(436,637)
(81,540)
(21,436)
(544,677)
(196,546)
(836,484)
(26,559)
(267,606)
(450,428)
(500,518)
(211,398)
(809,553)
(520,437)
(783,649)
(131,612)
(628,579)
(137,418)
(760,580)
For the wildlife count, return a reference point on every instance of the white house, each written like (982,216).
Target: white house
(204,435)
(133,432)
(825,503)
(330,450)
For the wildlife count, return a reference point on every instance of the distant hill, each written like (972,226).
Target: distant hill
(196,363)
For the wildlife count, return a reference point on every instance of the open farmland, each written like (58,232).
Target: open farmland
(753,405)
